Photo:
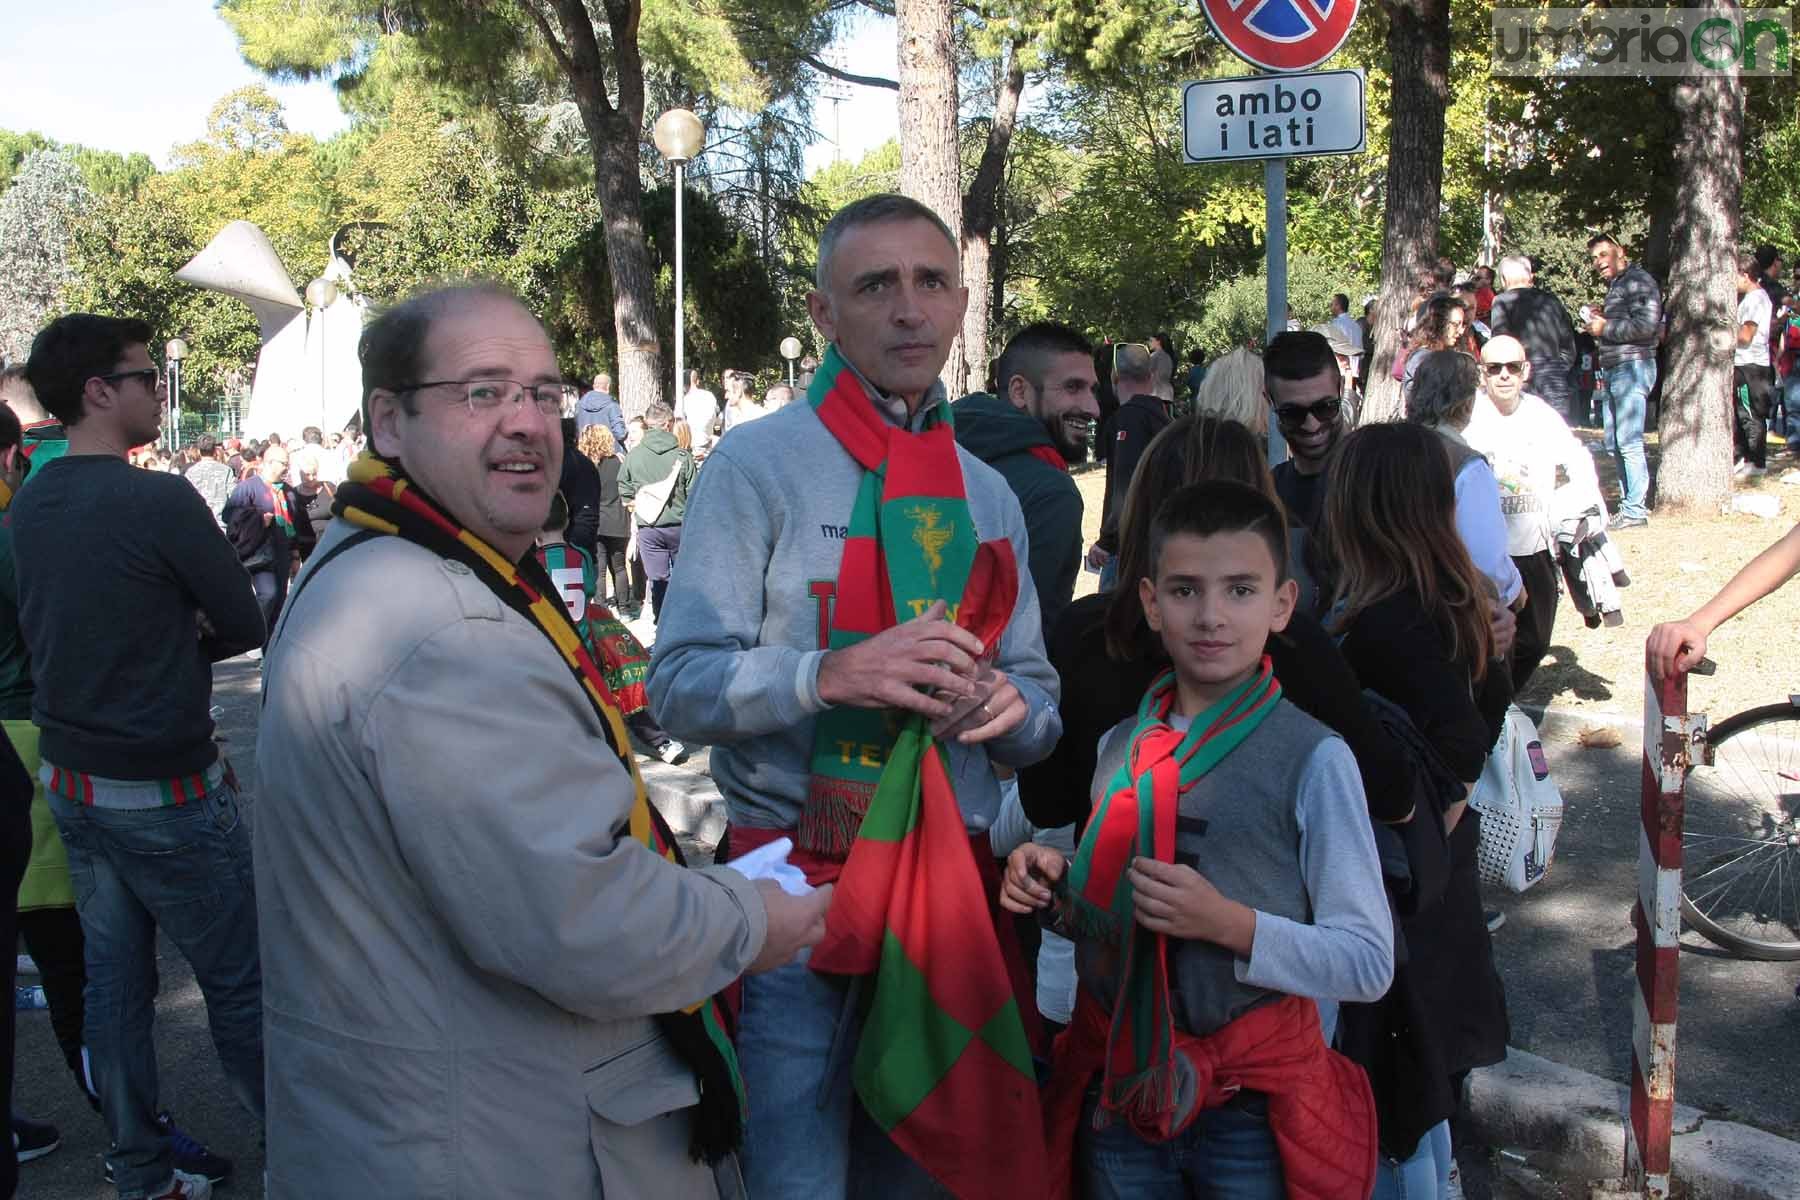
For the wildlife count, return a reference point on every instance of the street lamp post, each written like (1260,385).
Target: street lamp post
(321,294)
(173,353)
(790,350)
(679,136)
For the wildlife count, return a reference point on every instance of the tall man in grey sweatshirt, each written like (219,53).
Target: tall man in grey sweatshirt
(742,661)
(1628,329)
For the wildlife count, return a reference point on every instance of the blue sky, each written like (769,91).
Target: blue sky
(129,76)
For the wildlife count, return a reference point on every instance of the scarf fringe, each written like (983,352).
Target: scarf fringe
(1143,1099)
(832,816)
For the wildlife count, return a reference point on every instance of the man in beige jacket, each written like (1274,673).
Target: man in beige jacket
(465,948)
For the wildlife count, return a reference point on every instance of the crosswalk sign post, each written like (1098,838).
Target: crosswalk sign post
(1280,37)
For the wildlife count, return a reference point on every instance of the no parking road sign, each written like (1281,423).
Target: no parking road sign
(1282,35)
(1273,116)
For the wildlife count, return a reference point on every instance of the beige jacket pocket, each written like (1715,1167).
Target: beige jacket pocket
(638,1124)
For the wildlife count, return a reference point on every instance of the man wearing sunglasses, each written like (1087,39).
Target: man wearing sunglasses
(1305,390)
(1528,442)
(127,596)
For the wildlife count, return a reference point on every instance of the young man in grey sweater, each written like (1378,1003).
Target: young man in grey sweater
(742,658)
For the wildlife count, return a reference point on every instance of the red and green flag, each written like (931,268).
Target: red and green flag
(943,1064)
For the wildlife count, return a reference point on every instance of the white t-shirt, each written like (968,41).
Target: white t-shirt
(1755,309)
(1526,447)
(700,408)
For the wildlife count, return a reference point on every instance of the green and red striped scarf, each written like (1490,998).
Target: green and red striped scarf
(943,1064)
(1136,818)
(378,497)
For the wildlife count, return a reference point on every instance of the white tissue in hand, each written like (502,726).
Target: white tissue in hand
(771,862)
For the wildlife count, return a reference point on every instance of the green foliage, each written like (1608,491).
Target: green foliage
(125,255)
(1237,312)
(733,314)
(38,215)
(105,173)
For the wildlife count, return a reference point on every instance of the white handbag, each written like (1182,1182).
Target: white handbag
(1521,808)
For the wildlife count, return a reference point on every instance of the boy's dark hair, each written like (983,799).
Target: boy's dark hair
(1298,355)
(11,432)
(1029,351)
(1749,264)
(206,445)
(72,350)
(1220,506)
(558,519)
(311,436)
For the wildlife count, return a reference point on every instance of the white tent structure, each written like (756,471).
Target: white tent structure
(307,373)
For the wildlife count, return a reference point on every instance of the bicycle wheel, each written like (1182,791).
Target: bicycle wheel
(1740,878)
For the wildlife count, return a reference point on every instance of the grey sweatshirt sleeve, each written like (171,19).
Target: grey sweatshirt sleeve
(1347,953)
(709,679)
(203,560)
(1025,663)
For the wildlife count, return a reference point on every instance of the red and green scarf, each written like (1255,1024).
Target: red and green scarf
(278,501)
(943,1064)
(1136,818)
(911,542)
(379,498)
(624,663)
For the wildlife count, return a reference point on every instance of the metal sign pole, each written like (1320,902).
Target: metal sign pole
(1275,211)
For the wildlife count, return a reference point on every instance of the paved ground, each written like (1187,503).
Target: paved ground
(1565,954)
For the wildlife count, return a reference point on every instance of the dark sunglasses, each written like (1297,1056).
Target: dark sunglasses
(149,376)
(1506,368)
(1323,411)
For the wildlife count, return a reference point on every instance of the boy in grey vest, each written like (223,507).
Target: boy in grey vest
(1227,880)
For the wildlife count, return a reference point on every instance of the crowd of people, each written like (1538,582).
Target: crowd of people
(1167,890)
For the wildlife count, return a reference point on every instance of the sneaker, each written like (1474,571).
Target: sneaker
(191,1156)
(1753,472)
(1495,919)
(1739,467)
(183,1186)
(253,655)
(670,750)
(33,1139)
(1621,521)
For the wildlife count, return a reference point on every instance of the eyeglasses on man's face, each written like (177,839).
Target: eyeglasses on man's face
(148,376)
(1323,411)
(486,395)
(1512,366)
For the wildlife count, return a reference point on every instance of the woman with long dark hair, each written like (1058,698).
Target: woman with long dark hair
(1413,616)
(1442,320)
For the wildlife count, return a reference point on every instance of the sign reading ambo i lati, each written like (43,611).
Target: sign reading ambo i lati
(1641,41)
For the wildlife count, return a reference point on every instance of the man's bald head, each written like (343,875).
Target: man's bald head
(1502,347)
(1505,372)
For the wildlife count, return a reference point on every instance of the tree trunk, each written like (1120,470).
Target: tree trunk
(1701,301)
(614,128)
(980,213)
(930,164)
(1418,44)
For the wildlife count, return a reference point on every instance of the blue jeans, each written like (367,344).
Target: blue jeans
(184,869)
(1424,1176)
(1628,387)
(1790,408)
(794,1145)
(1226,1154)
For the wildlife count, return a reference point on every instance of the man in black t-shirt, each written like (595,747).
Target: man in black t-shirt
(1305,390)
